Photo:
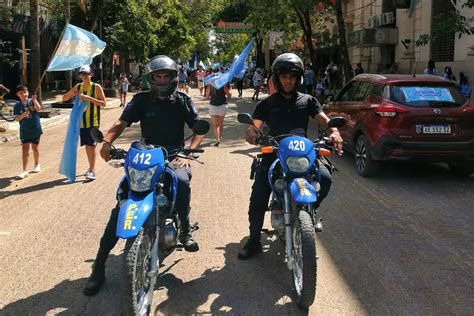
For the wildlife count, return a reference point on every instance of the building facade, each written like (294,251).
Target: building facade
(383,32)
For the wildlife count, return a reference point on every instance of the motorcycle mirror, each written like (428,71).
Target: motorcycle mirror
(201,127)
(97,135)
(245,118)
(337,122)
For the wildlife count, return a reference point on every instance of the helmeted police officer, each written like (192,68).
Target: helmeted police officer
(284,111)
(162,113)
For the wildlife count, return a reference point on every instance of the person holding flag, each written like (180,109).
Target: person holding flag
(93,94)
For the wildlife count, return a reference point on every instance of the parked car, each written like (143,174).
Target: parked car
(405,117)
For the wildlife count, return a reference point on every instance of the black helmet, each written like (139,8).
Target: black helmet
(286,63)
(162,63)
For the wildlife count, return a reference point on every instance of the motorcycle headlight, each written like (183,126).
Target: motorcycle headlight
(140,180)
(297,164)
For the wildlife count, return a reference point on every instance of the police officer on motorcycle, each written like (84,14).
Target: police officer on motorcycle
(283,112)
(162,113)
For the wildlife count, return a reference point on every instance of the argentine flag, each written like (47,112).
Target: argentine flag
(76,49)
(236,69)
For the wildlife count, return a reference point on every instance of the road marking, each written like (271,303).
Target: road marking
(5,233)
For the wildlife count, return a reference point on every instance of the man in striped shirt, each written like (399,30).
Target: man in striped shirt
(93,94)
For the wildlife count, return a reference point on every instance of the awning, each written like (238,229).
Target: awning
(373,37)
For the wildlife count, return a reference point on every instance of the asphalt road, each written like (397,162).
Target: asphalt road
(400,243)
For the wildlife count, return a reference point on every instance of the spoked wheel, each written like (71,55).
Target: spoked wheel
(137,289)
(304,263)
(7,110)
(366,167)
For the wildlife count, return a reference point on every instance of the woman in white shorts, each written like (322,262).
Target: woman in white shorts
(218,109)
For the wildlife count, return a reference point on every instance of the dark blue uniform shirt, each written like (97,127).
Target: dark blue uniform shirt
(161,121)
(284,115)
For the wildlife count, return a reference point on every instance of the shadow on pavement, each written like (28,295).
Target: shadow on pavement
(224,288)
(403,240)
(66,298)
(5,182)
(39,187)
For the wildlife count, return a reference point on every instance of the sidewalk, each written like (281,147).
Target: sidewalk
(13,133)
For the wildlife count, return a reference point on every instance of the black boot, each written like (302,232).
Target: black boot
(251,248)
(185,237)
(95,281)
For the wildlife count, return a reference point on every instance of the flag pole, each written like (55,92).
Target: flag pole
(50,59)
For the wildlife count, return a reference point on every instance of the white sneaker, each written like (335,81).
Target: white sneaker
(37,169)
(90,175)
(23,175)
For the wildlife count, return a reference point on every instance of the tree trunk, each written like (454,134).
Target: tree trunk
(305,22)
(35,61)
(343,51)
(67,15)
(94,13)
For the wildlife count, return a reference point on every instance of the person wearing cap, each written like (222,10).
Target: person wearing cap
(94,95)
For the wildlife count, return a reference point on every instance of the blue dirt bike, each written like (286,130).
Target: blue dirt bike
(147,219)
(294,179)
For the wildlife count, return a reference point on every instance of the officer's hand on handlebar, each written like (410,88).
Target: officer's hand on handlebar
(251,135)
(336,140)
(183,162)
(105,152)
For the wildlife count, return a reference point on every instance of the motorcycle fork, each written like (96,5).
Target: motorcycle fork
(154,246)
(288,231)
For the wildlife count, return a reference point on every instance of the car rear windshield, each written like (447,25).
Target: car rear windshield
(427,96)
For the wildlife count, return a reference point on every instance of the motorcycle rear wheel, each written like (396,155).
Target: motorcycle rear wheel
(137,292)
(304,263)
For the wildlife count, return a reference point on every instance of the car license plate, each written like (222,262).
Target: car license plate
(437,129)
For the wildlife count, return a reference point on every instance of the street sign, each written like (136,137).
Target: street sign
(232,27)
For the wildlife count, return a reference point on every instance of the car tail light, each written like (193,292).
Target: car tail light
(388,110)
(469,109)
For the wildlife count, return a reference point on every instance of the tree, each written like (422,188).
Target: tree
(448,23)
(336,7)
(35,47)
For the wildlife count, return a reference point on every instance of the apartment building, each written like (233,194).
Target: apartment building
(381,32)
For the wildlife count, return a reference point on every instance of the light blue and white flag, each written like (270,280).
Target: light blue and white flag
(67,166)
(76,49)
(209,79)
(235,69)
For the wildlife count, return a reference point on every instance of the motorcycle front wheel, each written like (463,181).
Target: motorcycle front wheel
(304,263)
(137,286)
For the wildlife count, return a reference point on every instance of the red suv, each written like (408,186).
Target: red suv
(403,117)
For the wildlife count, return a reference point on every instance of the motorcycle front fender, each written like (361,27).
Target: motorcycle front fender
(133,214)
(302,191)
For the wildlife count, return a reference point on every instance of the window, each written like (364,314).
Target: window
(346,93)
(362,90)
(427,96)
(442,44)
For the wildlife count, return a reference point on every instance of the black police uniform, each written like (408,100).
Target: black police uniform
(282,116)
(162,124)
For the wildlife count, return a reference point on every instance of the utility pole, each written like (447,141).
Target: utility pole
(67,15)
(35,48)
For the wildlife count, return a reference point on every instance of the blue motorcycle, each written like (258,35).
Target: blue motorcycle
(147,219)
(294,179)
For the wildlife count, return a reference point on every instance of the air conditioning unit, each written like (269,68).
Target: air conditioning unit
(389,18)
(378,20)
(372,21)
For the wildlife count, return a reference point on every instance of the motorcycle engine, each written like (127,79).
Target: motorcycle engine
(277,218)
(168,234)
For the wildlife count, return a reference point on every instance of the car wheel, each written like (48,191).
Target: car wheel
(463,169)
(365,165)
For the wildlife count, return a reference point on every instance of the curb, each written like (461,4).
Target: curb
(14,135)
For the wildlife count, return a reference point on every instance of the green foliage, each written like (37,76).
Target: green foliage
(448,23)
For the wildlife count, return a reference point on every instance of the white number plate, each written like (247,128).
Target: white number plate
(436,129)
